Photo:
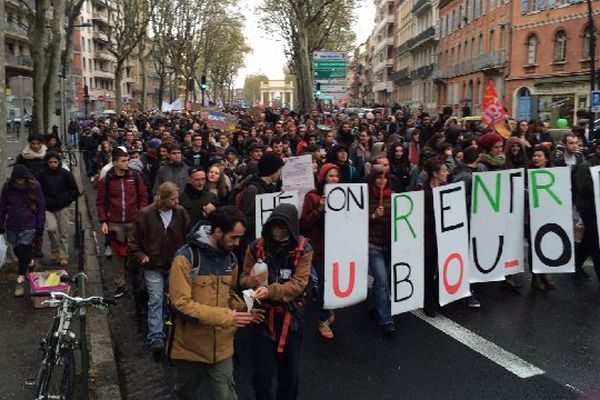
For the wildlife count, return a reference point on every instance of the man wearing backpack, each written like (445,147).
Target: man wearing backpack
(121,194)
(276,342)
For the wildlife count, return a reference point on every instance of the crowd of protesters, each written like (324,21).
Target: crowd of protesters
(175,201)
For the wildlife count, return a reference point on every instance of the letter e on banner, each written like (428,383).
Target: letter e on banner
(450,212)
(408,253)
(346,244)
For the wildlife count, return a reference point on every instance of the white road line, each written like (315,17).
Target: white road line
(497,354)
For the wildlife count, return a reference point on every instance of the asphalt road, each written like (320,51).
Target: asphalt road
(554,331)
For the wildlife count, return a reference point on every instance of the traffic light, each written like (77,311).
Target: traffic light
(318,91)
(203,84)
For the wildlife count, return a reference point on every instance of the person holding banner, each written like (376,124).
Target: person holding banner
(380,207)
(276,342)
(437,175)
(312,225)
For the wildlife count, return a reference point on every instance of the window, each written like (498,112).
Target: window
(586,43)
(532,43)
(560,46)
(83,63)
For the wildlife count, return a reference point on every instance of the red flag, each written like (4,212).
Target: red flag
(493,114)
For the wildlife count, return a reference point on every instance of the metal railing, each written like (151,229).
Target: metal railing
(428,34)
(419,5)
(15,28)
(24,61)
(493,59)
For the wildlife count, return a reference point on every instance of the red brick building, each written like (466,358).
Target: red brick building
(473,48)
(550,62)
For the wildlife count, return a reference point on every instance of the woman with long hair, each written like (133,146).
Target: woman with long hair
(218,183)
(515,154)
(22,217)
(399,167)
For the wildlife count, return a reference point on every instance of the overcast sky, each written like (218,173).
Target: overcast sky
(267,56)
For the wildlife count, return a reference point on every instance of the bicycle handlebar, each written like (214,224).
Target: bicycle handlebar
(60,297)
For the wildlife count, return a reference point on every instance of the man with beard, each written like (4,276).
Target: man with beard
(198,201)
(175,171)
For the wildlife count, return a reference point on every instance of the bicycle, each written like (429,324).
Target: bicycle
(56,376)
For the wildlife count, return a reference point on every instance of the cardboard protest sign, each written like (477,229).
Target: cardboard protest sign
(346,244)
(408,252)
(491,207)
(222,121)
(266,203)
(595,172)
(514,259)
(450,212)
(297,174)
(551,220)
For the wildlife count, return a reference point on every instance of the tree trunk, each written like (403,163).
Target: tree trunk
(303,72)
(55,46)
(161,86)
(37,34)
(143,78)
(118,78)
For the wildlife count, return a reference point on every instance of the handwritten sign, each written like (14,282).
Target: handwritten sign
(297,174)
(266,203)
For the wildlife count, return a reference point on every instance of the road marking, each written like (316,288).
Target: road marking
(495,353)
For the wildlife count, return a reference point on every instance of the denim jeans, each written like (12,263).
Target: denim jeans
(379,264)
(155,283)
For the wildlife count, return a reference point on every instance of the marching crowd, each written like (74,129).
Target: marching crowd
(175,199)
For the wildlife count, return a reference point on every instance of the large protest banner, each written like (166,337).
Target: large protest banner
(408,252)
(452,234)
(595,172)
(346,244)
(514,250)
(551,220)
(266,203)
(222,121)
(297,174)
(492,206)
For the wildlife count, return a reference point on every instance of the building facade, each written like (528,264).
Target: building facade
(550,60)
(383,51)
(403,58)
(473,49)
(278,92)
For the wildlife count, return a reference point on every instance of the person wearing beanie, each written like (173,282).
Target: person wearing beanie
(60,190)
(493,156)
(22,218)
(339,155)
(312,225)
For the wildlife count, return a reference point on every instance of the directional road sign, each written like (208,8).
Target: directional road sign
(330,65)
(329,55)
(328,74)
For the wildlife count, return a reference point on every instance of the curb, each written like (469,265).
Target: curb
(104,381)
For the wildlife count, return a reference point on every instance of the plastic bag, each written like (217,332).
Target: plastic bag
(3,250)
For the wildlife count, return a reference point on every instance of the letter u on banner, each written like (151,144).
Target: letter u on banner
(408,253)
(346,244)
(551,214)
(452,235)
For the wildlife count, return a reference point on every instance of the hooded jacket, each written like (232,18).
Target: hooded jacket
(202,287)
(32,160)
(123,199)
(59,187)
(15,212)
(193,200)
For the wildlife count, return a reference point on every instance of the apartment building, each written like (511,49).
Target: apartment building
(473,49)
(383,51)
(403,59)
(550,59)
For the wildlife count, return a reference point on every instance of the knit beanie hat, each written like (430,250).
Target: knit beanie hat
(268,164)
(153,143)
(325,168)
(488,140)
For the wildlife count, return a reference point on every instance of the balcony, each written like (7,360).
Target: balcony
(385,22)
(387,63)
(101,4)
(13,29)
(100,36)
(102,54)
(385,42)
(75,71)
(423,72)
(381,86)
(403,48)
(18,61)
(103,73)
(420,6)
(429,34)
(491,60)
(401,75)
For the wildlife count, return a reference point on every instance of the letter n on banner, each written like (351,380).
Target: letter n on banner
(408,253)
(346,244)
(450,211)
(489,213)
(551,220)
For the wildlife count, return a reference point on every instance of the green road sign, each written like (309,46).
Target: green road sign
(328,65)
(327,74)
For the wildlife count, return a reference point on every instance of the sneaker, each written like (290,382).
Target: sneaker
(20,289)
(120,292)
(511,284)
(156,346)
(472,302)
(325,330)
(388,329)
(107,252)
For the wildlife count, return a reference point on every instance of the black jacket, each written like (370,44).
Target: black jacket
(193,200)
(59,187)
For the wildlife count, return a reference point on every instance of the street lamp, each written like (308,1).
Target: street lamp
(592,51)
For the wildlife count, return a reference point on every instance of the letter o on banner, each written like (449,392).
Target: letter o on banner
(453,288)
(565,256)
(331,194)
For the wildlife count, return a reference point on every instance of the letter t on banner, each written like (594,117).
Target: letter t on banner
(450,209)
(346,244)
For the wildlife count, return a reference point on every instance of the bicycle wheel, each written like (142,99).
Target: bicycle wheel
(56,377)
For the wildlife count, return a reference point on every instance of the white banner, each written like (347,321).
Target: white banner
(266,203)
(297,174)
(492,205)
(346,244)
(595,172)
(408,252)
(452,242)
(514,249)
(551,220)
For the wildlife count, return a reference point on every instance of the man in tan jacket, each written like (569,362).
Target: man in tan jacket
(202,290)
